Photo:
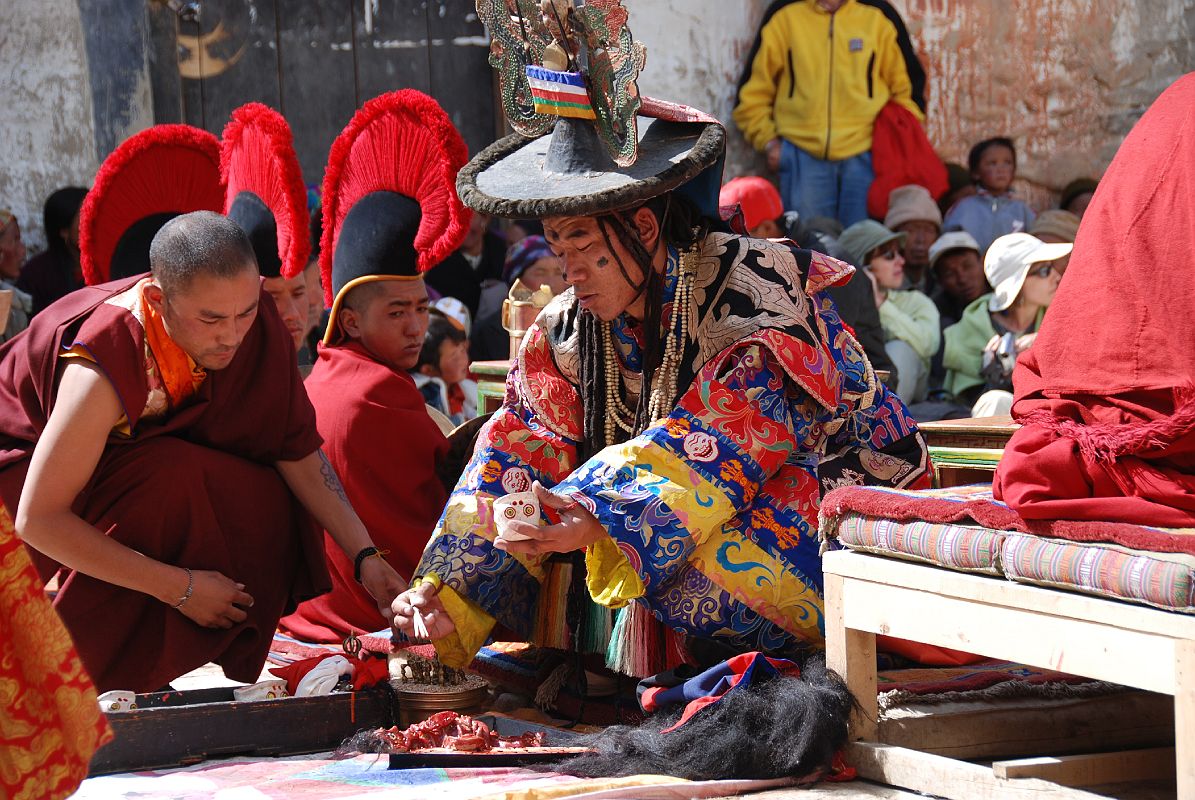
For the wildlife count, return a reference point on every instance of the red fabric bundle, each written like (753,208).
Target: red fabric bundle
(901,154)
(1105,394)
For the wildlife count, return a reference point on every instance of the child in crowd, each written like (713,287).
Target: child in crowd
(992,211)
(441,374)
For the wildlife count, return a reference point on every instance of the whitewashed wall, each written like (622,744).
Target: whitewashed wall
(46,134)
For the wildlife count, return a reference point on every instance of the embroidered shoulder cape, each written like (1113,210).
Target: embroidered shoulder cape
(711,511)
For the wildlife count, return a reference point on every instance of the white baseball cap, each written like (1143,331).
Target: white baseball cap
(1008,261)
(951,240)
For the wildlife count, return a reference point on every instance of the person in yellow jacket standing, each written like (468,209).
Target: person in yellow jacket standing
(819,74)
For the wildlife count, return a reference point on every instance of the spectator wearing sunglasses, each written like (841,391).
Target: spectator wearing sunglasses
(908,317)
(1023,272)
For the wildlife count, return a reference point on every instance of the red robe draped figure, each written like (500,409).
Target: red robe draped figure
(1106,395)
(384,446)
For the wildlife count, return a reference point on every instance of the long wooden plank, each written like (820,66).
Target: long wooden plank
(946,777)
(940,581)
(1091,769)
(852,654)
(1032,726)
(1078,646)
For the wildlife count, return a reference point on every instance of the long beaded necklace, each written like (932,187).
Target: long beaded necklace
(663,390)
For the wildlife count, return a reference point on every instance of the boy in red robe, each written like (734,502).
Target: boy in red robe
(157,446)
(376,246)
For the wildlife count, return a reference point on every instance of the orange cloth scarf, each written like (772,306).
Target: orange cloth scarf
(180,376)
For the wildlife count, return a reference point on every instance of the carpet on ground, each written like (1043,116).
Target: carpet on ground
(367,778)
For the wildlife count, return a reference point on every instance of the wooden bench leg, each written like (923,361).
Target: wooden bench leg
(1184,717)
(852,654)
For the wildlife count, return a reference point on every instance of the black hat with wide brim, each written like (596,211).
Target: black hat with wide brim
(568,172)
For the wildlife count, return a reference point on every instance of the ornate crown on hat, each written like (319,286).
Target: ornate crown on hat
(151,177)
(570,71)
(555,59)
(265,194)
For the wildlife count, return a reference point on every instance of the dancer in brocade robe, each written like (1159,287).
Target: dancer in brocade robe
(680,411)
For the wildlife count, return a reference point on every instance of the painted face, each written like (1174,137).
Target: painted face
(961,275)
(887,266)
(591,267)
(290,295)
(919,235)
(546,272)
(997,166)
(1040,284)
(392,324)
(454,361)
(210,316)
(12,251)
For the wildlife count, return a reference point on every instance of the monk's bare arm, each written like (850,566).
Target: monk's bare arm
(64,459)
(315,483)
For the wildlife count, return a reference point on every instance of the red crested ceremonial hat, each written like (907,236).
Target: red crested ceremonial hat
(264,191)
(152,177)
(390,206)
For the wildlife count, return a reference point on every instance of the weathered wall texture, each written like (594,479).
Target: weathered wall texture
(46,131)
(1066,79)
(695,54)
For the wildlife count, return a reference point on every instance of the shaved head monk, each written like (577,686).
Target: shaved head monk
(161,455)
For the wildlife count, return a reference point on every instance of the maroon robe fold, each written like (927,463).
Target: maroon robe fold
(197,489)
(385,448)
(1106,395)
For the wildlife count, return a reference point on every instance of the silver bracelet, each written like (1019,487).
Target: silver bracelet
(187,594)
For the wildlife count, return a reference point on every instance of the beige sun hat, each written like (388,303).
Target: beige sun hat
(1008,261)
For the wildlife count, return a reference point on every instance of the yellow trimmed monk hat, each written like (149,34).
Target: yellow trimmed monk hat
(264,191)
(390,206)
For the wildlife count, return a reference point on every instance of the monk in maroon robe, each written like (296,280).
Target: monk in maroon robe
(162,457)
(378,242)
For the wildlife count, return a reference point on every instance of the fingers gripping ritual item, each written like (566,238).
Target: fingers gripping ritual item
(586,142)
(151,178)
(391,211)
(264,193)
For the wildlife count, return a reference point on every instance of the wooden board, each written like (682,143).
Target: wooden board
(227,59)
(1091,769)
(178,728)
(317,81)
(1031,726)
(946,777)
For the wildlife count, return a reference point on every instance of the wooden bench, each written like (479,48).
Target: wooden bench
(1102,639)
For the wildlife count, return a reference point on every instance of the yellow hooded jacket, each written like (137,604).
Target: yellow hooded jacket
(819,79)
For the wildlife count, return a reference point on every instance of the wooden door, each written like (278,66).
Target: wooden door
(317,61)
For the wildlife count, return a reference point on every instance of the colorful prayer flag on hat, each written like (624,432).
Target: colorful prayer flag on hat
(562,94)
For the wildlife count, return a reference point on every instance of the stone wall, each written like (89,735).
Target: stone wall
(1066,79)
(47,137)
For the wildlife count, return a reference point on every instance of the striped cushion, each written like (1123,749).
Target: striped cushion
(963,547)
(1163,580)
